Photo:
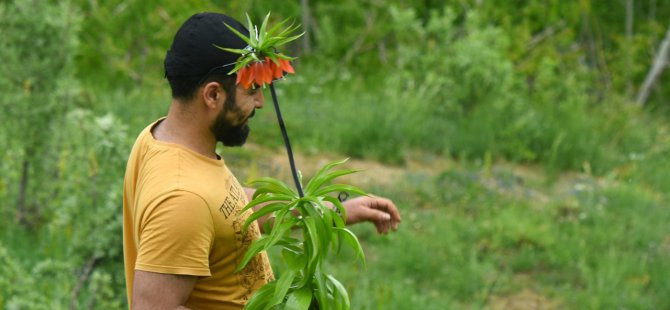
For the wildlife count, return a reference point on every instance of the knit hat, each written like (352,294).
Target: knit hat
(193,53)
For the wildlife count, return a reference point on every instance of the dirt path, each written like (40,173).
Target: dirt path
(260,161)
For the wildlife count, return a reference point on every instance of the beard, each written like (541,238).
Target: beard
(229,134)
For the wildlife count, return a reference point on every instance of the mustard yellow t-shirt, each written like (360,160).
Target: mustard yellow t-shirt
(180,216)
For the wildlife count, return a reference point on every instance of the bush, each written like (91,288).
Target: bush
(37,86)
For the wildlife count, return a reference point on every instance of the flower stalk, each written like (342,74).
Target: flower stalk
(314,210)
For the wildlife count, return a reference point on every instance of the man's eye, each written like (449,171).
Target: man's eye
(252,92)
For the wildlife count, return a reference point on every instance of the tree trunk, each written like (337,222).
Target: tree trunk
(307,25)
(660,62)
(21,212)
(86,273)
(629,41)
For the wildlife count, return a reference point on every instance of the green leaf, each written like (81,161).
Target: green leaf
(265,242)
(318,181)
(265,210)
(232,50)
(335,188)
(261,297)
(263,26)
(267,192)
(279,219)
(287,40)
(279,230)
(274,58)
(278,186)
(283,284)
(323,231)
(321,290)
(344,296)
(282,56)
(340,219)
(351,239)
(239,34)
(278,26)
(253,33)
(313,238)
(241,63)
(299,299)
(264,199)
(323,171)
(294,260)
(255,248)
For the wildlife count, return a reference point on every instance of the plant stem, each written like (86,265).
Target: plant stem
(287,143)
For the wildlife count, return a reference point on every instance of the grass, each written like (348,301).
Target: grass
(587,228)
(471,238)
(477,233)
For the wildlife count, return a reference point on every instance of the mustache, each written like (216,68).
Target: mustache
(251,115)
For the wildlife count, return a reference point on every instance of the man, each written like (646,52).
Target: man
(182,233)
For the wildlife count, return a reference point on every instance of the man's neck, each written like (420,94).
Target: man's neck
(185,127)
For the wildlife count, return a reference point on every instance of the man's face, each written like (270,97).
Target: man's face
(231,125)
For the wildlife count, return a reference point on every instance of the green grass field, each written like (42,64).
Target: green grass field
(505,237)
(506,134)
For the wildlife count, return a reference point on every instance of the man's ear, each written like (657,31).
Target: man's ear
(213,94)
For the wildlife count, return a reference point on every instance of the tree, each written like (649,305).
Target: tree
(660,62)
(37,85)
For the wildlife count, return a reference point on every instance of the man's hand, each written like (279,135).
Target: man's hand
(380,211)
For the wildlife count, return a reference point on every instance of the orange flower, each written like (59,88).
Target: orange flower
(262,72)
(244,77)
(286,65)
(267,72)
(276,70)
(257,68)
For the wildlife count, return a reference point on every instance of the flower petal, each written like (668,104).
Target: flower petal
(276,70)
(258,73)
(286,66)
(268,72)
(243,76)
(248,77)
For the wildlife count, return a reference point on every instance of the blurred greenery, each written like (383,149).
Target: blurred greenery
(545,182)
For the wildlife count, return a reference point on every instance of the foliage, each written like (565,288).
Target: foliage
(578,243)
(260,62)
(545,85)
(305,284)
(36,89)
(83,223)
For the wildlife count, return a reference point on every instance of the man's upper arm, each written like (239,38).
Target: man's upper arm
(174,245)
(161,291)
(176,237)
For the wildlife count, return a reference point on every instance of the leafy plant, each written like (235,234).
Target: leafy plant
(305,284)
(260,63)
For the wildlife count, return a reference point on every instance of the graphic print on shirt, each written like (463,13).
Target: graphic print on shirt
(232,201)
(254,271)
(257,270)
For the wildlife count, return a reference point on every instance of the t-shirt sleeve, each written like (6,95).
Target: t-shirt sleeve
(176,236)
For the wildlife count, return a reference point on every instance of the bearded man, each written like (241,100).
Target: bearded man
(182,232)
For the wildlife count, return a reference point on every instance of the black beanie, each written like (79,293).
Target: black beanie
(193,53)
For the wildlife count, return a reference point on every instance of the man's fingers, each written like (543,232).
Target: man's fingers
(381,220)
(390,209)
(388,206)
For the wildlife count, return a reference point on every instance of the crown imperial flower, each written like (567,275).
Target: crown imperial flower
(260,63)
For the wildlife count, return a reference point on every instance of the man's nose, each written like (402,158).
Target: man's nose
(259,100)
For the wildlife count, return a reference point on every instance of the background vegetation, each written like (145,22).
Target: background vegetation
(509,132)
